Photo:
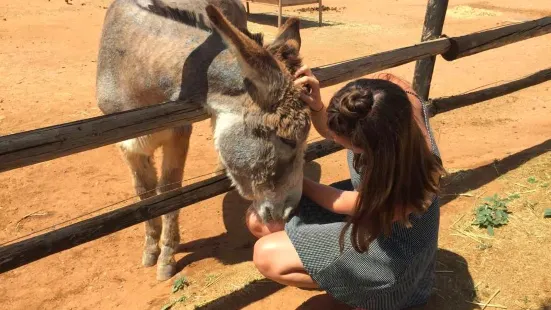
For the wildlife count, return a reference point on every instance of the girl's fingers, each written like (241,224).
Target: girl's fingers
(301,71)
(307,99)
(311,81)
(300,81)
(304,80)
(304,70)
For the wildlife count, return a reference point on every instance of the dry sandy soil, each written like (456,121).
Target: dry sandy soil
(47,64)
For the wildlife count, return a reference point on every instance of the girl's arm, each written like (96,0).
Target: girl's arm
(330,198)
(304,76)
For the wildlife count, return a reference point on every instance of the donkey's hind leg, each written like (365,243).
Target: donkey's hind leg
(145,181)
(174,157)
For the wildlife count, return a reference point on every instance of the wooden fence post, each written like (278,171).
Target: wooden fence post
(320,9)
(279,13)
(432,29)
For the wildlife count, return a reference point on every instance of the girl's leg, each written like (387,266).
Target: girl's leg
(274,254)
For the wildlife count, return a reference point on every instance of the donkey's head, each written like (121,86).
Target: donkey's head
(263,147)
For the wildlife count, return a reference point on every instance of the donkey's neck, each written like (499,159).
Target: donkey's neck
(211,72)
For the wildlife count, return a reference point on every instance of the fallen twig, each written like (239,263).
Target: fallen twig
(35,213)
(464,235)
(521,185)
(476,286)
(490,299)
(487,305)
(460,194)
(459,219)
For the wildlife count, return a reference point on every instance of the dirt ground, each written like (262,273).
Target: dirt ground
(48,55)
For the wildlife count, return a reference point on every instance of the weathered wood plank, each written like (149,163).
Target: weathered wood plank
(474,43)
(444,104)
(27,148)
(351,69)
(432,29)
(35,248)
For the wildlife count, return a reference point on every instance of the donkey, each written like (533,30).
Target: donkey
(151,52)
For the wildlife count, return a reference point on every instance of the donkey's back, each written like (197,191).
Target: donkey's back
(144,50)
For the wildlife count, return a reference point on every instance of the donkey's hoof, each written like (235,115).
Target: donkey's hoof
(165,272)
(149,259)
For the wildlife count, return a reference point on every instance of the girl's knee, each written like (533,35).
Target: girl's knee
(263,258)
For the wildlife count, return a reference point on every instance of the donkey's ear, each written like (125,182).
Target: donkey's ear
(259,68)
(286,46)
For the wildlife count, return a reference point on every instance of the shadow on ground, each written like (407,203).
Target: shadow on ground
(466,180)
(235,245)
(453,289)
(249,294)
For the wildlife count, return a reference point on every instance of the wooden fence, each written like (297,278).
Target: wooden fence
(31,147)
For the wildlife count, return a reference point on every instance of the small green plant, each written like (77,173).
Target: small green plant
(532,180)
(493,212)
(179,284)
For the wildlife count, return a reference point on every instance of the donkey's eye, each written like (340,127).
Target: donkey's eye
(289,142)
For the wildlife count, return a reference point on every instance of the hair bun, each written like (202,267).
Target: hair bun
(357,103)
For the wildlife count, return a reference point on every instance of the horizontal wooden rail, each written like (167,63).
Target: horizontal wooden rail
(351,69)
(29,250)
(485,40)
(444,104)
(31,147)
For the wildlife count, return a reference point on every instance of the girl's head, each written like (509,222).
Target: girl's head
(374,118)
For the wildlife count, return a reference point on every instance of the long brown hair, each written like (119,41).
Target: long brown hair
(396,165)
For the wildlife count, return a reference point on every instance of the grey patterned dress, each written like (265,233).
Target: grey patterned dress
(396,272)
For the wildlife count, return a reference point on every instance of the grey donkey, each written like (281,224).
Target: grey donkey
(200,51)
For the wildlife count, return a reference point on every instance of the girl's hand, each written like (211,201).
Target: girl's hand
(306,79)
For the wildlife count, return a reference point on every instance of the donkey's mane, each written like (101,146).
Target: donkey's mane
(192,19)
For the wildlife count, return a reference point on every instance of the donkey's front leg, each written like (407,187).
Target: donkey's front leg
(174,157)
(145,181)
